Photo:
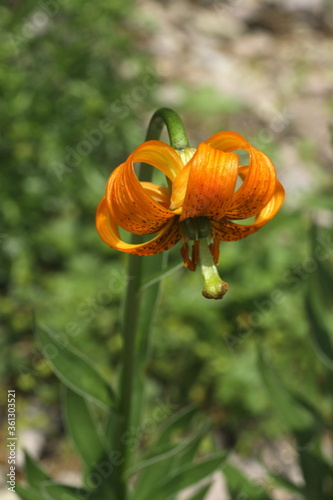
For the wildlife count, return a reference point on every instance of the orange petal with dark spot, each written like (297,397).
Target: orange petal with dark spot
(210,182)
(166,238)
(160,194)
(226,230)
(129,201)
(259,178)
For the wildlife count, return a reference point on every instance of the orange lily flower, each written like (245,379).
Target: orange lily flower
(201,202)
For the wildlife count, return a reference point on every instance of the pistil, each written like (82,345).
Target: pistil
(213,286)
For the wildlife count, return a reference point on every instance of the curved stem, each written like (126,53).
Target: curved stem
(132,362)
(176,131)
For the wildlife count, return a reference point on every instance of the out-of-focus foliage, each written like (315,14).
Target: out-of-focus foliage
(308,424)
(72,92)
(213,349)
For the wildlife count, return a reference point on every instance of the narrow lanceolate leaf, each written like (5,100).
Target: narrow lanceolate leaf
(157,466)
(29,493)
(318,303)
(74,369)
(186,476)
(287,484)
(317,475)
(154,467)
(308,406)
(165,452)
(53,491)
(239,484)
(160,275)
(179,421)
(33,473)
(320,336)
(201,493)
(187,455)
(83,429)
(295,416)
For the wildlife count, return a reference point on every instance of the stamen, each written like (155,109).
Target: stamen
(215,250)
(192,262)
(184,251)
(195,254)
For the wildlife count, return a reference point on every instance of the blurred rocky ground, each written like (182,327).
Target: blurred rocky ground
(272,58)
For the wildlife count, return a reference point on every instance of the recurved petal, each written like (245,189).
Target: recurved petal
(179,187)
(209,181)
(259,179)
(167,237)
(160,194)
(131,204)
(273,206)
(228,141)
(226,230)
(161,156)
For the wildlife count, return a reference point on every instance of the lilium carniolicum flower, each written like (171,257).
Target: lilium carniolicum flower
(201,203)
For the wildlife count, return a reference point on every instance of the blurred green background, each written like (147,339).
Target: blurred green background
(79,82)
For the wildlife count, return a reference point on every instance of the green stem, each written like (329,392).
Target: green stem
(176,131)
(213,286)
(131,367)
(131,312)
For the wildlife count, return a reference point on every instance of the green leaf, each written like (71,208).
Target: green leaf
(54,491)
(156,466)
(307,405)
(317,475)
(160,454)
(33,473)
(287,484)
(318,302)
(201,493)
(320,337)
(83,429)
(325,280)
(179,421)
(74,370)
(187,455)
(186,476)
(159,275)
(295,416)
(28,493)
(238,484)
